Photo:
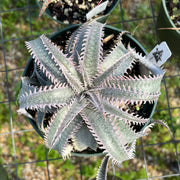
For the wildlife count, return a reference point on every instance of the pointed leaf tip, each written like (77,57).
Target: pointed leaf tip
(102,172)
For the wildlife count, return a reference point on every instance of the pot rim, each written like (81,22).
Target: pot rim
(168,16)
(76,26)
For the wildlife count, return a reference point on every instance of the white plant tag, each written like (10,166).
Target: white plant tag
(159,54)
(98,9)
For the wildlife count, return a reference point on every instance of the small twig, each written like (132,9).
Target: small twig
(168,28)
(135,29)
(108,38)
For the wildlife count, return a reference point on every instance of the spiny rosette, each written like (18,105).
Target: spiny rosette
(84,97)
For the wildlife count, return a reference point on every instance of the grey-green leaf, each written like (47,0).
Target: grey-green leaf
(83,139)
(91,52)
(126,95)
(62,141)
(148,85)
(119,67)
(62,119)
(43,97)
(113,110)
(44,60)
(64,64)
(102,172)
(103,132)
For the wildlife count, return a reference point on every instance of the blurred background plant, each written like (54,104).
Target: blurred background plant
(22,152)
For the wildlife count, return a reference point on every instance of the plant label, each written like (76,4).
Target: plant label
(98,9)
(159,54)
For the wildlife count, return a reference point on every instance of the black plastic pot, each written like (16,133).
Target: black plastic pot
(100,19)
(148,109)
(165,33)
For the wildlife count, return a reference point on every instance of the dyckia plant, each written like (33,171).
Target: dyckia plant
(84,98)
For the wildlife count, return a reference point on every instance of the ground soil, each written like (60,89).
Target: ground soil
(74,12)
(172,9)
